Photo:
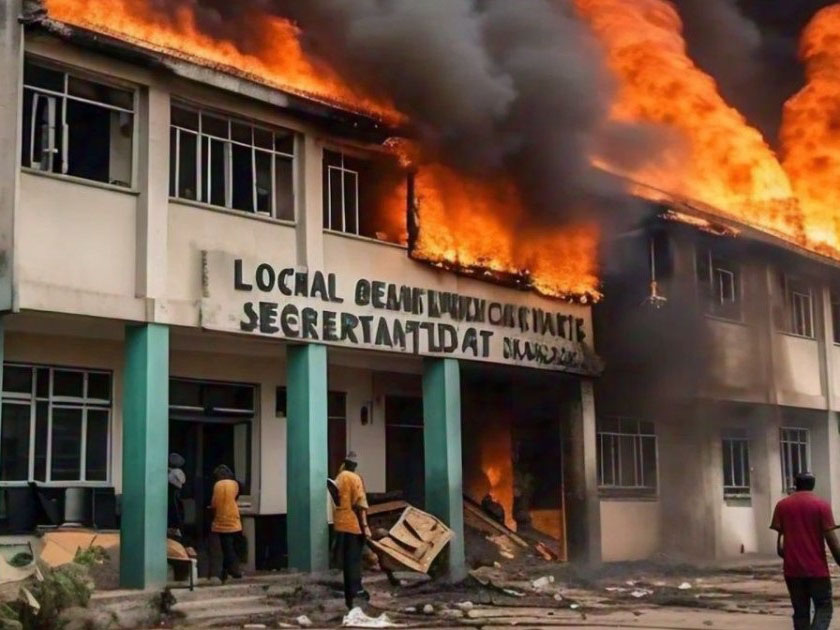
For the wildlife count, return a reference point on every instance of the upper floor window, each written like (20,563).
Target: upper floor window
(627,458)
(736,463)
(55,424)
(799,308)
(231,163)
(341,192)
(835,315)
(76,126)
(720,285)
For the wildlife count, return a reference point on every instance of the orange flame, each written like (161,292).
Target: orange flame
(282,65)
(727,163)
(810,132)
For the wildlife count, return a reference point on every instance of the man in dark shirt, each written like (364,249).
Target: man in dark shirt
(805,524)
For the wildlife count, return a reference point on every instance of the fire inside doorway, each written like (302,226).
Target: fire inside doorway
(513,450)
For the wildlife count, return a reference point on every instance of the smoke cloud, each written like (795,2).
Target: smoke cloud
(492,87)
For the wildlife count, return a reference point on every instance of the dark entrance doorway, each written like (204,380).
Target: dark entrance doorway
(404,452)
(210,424)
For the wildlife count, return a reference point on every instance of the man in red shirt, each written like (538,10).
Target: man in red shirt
(805,524)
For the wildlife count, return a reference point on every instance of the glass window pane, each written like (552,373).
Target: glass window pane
(42,411)
(92,91)
(241,133)
(218,174)
(608,425)
(284,188)
(336,405)
(351,201)
(96,462)
(17,379)
(66,383)
(214,126)
(42,385)
(14,442)
(37,75)
(185,393)
(188,158)
(263,138)
(66,444)
(243,178)
(608,460)
(284,142)
(629,426)
(262,161)
(99,385)
(728,480)
(335,199)
(185,118)
(218,396)
(649,461)
(627,456)
(119,164)
(646,428)
(89,141)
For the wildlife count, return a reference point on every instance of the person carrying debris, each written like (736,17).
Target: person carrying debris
(805,524)
(227,524)
(351,527)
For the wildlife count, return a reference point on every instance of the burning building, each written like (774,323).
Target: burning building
(267,235)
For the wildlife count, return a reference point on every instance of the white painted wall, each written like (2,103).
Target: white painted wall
(629,529)
(799,369)
(738,527)
(734,357)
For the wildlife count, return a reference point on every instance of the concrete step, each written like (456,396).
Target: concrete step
(221,603)
(225,612)
(223,592)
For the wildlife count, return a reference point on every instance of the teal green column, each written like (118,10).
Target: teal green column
(145,412)
(306,457)
(442,443)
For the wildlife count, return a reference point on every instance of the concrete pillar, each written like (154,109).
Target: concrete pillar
(153,202)
(145,455)
(580,478)
(766,477)
(310,203)
(442,443)
(11,69)
(306,457)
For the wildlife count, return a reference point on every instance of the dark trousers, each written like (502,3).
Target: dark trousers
(230,561)
(803,591)
(350,550)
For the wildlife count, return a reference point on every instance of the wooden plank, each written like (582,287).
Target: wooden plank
(389,506)
(476,511)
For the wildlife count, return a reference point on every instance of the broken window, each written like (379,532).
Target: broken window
(55,424)
(736,463)
(795,454)
(799,310)
(365,197)
(719,281)
(76,126)
(626,454)
(232,164)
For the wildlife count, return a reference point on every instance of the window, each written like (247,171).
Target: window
(55,424)
(795,454)
(336,430)
(626,455)
(720,285)
(835,315)
(799,311)
(231,163)
(341,192)
(76,126)
(736,463)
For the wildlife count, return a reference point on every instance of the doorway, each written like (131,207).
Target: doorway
(404,452)
(209,424)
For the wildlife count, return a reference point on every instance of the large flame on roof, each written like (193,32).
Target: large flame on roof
(810,132)
(726,163)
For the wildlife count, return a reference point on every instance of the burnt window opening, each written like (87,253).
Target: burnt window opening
(835,315)
(795,453)
(364,197)
(230,163)
(719,281)
(798,306)
(736,463)
(627,455)
(76,126)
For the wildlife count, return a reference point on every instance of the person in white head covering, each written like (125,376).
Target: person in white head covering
(175,512)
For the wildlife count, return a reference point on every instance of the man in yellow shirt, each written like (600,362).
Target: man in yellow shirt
(227,524)
(351,527)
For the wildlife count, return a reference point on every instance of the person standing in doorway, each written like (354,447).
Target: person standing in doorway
(227,524)
(351,527)
(805,524)
(175,515)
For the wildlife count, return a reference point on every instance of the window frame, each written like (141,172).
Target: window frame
(793,306)
(83,403)
(733,439)
(618,487)
(203,175)
(343,171)
(709,275)
(785,447)
(107,81)
(834,304)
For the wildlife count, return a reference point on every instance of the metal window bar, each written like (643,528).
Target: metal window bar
(615,462)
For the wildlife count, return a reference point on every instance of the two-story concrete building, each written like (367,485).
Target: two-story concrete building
(190,263)
(722,350)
